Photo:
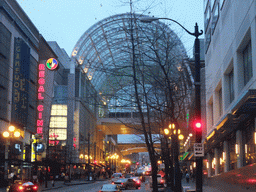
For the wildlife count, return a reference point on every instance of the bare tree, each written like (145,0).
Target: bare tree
(153,81)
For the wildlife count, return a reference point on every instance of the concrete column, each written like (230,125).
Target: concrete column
(240,146)
(226,156)
(217,161)
(209,158)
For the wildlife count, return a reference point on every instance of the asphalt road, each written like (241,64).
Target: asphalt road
(95,187)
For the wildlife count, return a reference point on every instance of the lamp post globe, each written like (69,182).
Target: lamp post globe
(6,134)
(11,128)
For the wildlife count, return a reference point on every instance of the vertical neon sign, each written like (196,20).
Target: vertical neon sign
(40,96)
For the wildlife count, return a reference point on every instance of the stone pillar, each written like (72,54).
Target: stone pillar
(240,146)
(209,158)
(217,161)
(226,156)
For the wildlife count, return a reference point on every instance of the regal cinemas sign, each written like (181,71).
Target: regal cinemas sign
(51,64)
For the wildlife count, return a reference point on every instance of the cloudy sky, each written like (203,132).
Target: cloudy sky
(64,21)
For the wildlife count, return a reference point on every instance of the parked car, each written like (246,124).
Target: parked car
(127,183)
(116,176)
(110,187)
(19,186)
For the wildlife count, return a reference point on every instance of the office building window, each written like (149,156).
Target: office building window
(207,16)
(211,119)
(215,16)
(5,44)
(247,63)
(231,85)
(207,40)
(220,101)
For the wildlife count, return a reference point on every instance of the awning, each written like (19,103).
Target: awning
(246,104)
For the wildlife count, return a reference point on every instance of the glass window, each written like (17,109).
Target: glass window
(249,147)
(221,3)
(205,4)
(220,101)
(247,63)
(58,134)
(207,17)
(215,16)
(212,3)
(231,85)
(211,113)
(60,110)
(58,122)
(5,44)
(207,39)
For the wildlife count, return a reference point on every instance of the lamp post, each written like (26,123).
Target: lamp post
(175,135)
(196,34)
(8,135)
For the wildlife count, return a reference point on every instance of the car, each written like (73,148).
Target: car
(148,173)
(160,181)
(116,176)
(129,175)
(137,180)
(110,187)
(127,183)
(19,186)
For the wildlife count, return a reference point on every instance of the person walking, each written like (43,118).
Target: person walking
(187,177)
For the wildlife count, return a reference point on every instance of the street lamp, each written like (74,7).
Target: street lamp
(196,34)
(8,135)
(175,135)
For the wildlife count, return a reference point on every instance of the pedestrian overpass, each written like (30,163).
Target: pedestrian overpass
(125,126)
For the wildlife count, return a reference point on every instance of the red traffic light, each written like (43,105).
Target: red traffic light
(137,163)
(197,125)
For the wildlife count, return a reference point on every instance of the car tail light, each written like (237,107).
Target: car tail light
(122,183)
(161,181)
(112,176)
(112,183)
(138,182)
(35,188)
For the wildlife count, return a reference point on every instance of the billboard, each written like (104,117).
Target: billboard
(21,70)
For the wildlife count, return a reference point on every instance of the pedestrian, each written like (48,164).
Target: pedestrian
(187,177)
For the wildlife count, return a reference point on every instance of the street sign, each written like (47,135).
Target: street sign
(199,149)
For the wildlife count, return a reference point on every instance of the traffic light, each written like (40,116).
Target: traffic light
(137,163)
(197,125)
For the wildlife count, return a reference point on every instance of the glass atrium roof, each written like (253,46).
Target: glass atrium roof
(105,46)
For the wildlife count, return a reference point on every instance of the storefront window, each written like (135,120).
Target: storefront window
(249,148)
(232,153)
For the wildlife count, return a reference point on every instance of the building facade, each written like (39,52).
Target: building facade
(19,56)
(230,68)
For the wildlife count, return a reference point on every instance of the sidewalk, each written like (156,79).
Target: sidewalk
(207,187)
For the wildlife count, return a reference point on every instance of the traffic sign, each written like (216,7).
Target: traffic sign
(199,149)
